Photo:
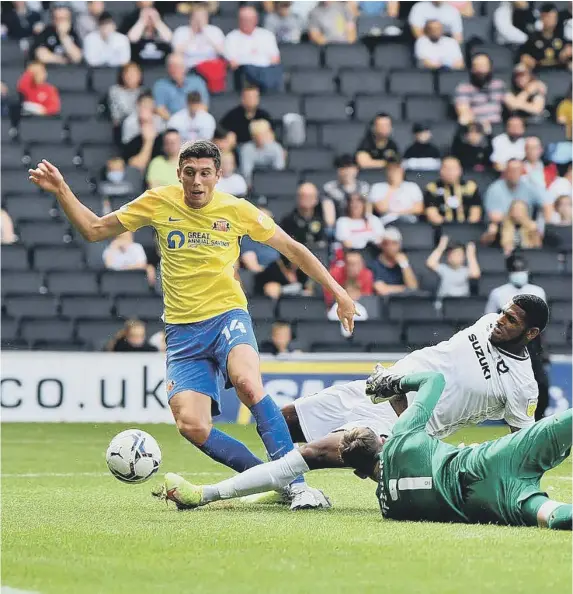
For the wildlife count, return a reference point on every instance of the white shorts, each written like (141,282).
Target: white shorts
(343,406)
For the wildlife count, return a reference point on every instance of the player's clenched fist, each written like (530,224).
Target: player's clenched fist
(47,177)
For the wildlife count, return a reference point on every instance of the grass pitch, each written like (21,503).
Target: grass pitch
(69,527)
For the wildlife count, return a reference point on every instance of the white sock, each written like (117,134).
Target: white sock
(271,476)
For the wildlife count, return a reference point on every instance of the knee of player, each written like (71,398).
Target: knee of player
(248,388)
(195,430)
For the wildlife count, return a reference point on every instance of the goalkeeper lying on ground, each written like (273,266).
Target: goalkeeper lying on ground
(421,478)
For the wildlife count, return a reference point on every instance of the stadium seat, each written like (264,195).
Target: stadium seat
(491,260)
(558,238)
(28,306)
(310,333)
(421,335)
(557,84)
(80,106)
(45,130)
(101,79)
(560,309)
(293,55)
(402,135)
(231,8)
(14,257)
(151,74)
(372,176)
(463,309)
(375,25)
(43,232)
(141,307)
(367,106)
(373,306)
(543,261)
(225,23)
(477,29)
(558,338)
(308,81)
(247,281)
(465,232)
(9,328)
(12,157)
(82,306)
(68,78)
(280,207)
(411,82)
(176,20)
(555,285)
(23,282)
(145,236)
(547,132)
(318,178)
(443,135)
(58,330)
(275,183)
(301,308)
(378,335)
(364,81)
(93,131)
(448,80)
(127,282)
(409,308)
(10,74)
(428,109)
(68,258)
(280,104)
(76,283)
(392,56)
(416,237)
(219,105)
(95,156)
(348,346)
(490,281)
(262,330)
(422,178)
(310,158)
(337,56)
(12,56)
(343,137)
(262,309)
(38,207)
(15,182)
(62,156)
(97,333)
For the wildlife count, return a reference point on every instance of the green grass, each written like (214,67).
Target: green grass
(88,533)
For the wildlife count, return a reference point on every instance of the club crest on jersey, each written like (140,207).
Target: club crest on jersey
(221,225)
(170,385)
(531,406)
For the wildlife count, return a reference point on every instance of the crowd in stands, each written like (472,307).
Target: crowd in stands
(402,142)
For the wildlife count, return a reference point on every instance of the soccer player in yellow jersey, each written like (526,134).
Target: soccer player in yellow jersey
(208,330)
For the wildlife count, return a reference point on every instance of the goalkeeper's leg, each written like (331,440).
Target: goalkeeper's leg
(546,513)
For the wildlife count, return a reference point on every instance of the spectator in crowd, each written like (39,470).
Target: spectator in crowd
(149,36)
(106,46)
(561,186)
(480,99)
(58,43)
(193,122)
(225,141)
(434,50)
(512,186)
(162,170)
(171,93)
(513,22)
(88,20)
(396,198)
(231,182)
(422,155)
(352,271)
(38,96)
(472,147)
(338,191)
(533,167)
(140,133)
(361,314)
(527,95)
(238,119)
(391,8)
(331,22)
(254,50)
(7,235)
(123,253)
(548,47)
(198,41)
(358,228)
(119,179)
(122,97)
(564,113)
(460,268)
(562,213)
(20,21)
(464,7)
(286,25)
(377,146)
(131,339)
(510,144)
(305,223)
(281,339)
(262,152)
(451,198)
(443,12)
(392,271)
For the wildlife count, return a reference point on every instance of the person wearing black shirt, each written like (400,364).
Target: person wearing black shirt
(20,21)
(422,154)
(451,198)
(547,48)
(131,338)
(305,223)
(472,147)
(58,43)
(238,119)
(377,146)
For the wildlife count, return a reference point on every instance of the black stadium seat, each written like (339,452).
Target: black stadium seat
(378,335)
(463,309)
(58,330)
(219,105)
(421,335)
(23,282)
(343,137)
(357,81)
(262,308)
(310,158)
(139,307)
(82,306)
(9,328)
(103,78)
(128,282)
(280,104)
(305,82)
(94,131)
(297,55)
(68,257)
(44,130)
(28,306)
(62,156)
(301,308)
(325,108)
(275,183)
(560,309)
(429,109)
(411,82)
(310,333)
(76,283)
(38,207)
(44,232)
(416,237)
(338,56)
(557,83)
(410,308)
(69,78)
(80,105)
(97,333)
(14,257)
(367,106)
(449,80)
(392,56)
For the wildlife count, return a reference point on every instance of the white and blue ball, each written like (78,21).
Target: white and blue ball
(133,456)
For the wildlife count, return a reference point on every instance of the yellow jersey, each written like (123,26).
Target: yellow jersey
(199,248)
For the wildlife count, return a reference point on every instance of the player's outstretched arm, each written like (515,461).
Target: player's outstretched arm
(302,257)
(91,226)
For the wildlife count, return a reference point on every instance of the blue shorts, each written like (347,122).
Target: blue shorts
(197,353)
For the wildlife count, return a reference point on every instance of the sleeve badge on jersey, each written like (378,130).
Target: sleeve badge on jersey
(221,225)
(531,406)
(264,221)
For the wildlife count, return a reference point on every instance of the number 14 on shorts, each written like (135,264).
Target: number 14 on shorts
(235,326)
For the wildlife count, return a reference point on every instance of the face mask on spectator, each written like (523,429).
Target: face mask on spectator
(115,177)
(519,279)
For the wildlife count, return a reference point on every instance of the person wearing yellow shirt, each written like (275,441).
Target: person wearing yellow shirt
(208,329)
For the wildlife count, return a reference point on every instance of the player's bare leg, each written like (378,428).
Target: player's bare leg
(291,418)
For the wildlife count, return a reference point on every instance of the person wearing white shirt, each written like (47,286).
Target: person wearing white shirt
(198,42)
(396,198)
(561,186)
(231,182)
(358,228)
(255,51)
(506,32)
(124,254)
(434,50)
(448,15)
(193,123)
(510,144)
(105,46)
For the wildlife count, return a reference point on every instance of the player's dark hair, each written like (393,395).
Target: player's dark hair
(200,149)
(536,310)
(359,449)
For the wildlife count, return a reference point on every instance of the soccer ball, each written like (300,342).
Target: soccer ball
(133,456)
